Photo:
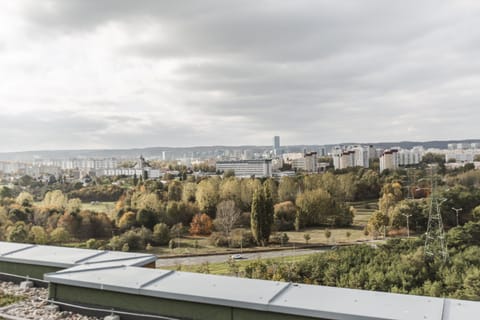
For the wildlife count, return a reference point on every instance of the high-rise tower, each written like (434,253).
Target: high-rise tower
(276,145)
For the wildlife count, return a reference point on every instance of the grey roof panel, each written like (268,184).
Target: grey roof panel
(9,247)
(329,301)
(461,310)
(115,278)
(221,289)
(64,257)
(51,256)
(305,300)
(113,256)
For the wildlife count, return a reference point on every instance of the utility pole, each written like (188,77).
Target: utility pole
(407,215)
(456,212)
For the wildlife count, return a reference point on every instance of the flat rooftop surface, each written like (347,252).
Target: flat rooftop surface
(65,257)
(281,297)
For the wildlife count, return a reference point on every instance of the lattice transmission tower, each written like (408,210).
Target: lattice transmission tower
(435,244)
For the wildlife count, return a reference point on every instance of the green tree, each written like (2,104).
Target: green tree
(307,237)
(328,234)
(24,199)
(175,189)
(18,232)
(255,215)
(161,234)
(146,218)
(189,190)
(38,235)
(262,215)
(60,235)
(74,205)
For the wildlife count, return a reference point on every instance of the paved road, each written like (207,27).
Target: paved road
(225,257)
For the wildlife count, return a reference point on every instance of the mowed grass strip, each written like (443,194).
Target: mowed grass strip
(225,268)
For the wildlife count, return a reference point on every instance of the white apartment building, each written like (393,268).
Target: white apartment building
(247,168)
(69,164)
(307,163)
(130,172)
(396,157)
(352,156)
(461,155)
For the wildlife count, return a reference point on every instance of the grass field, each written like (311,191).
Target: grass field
(317,236)
(228,268)
(106,207)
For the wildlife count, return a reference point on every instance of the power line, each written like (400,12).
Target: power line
(435,244)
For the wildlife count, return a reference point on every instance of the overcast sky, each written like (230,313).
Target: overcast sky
(121,74)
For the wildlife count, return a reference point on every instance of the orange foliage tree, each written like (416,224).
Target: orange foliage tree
(201,225)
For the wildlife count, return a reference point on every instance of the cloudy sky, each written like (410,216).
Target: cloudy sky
(120,74)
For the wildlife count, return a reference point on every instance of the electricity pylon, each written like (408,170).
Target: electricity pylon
(435,244)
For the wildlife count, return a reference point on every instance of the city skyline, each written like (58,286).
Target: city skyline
(121,75)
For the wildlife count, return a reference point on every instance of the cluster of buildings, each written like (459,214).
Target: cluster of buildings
(352,156)
(249,161)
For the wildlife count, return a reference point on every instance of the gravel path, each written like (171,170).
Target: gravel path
(34,306)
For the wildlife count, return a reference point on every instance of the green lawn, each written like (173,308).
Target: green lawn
(317,236)
(227,268)
(106,207)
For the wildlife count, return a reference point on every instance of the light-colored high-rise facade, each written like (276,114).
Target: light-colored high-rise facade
(393,158)
(276,145)
(352,156)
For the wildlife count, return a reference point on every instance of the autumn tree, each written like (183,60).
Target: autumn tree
(247,189)
(24,199)
(189,190)
(38,235)
(207,195)
(55,199)
(287,189)
(60,235)
(230,189)
(284,216)
(201,225)
(175,190)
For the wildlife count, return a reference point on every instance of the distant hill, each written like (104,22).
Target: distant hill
(157,152)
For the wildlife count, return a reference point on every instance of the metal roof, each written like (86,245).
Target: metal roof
(303,300)
(64,257)
(10,247)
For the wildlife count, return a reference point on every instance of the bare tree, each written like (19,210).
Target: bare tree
(227,215)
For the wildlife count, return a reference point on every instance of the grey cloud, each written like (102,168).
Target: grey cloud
(318,71)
